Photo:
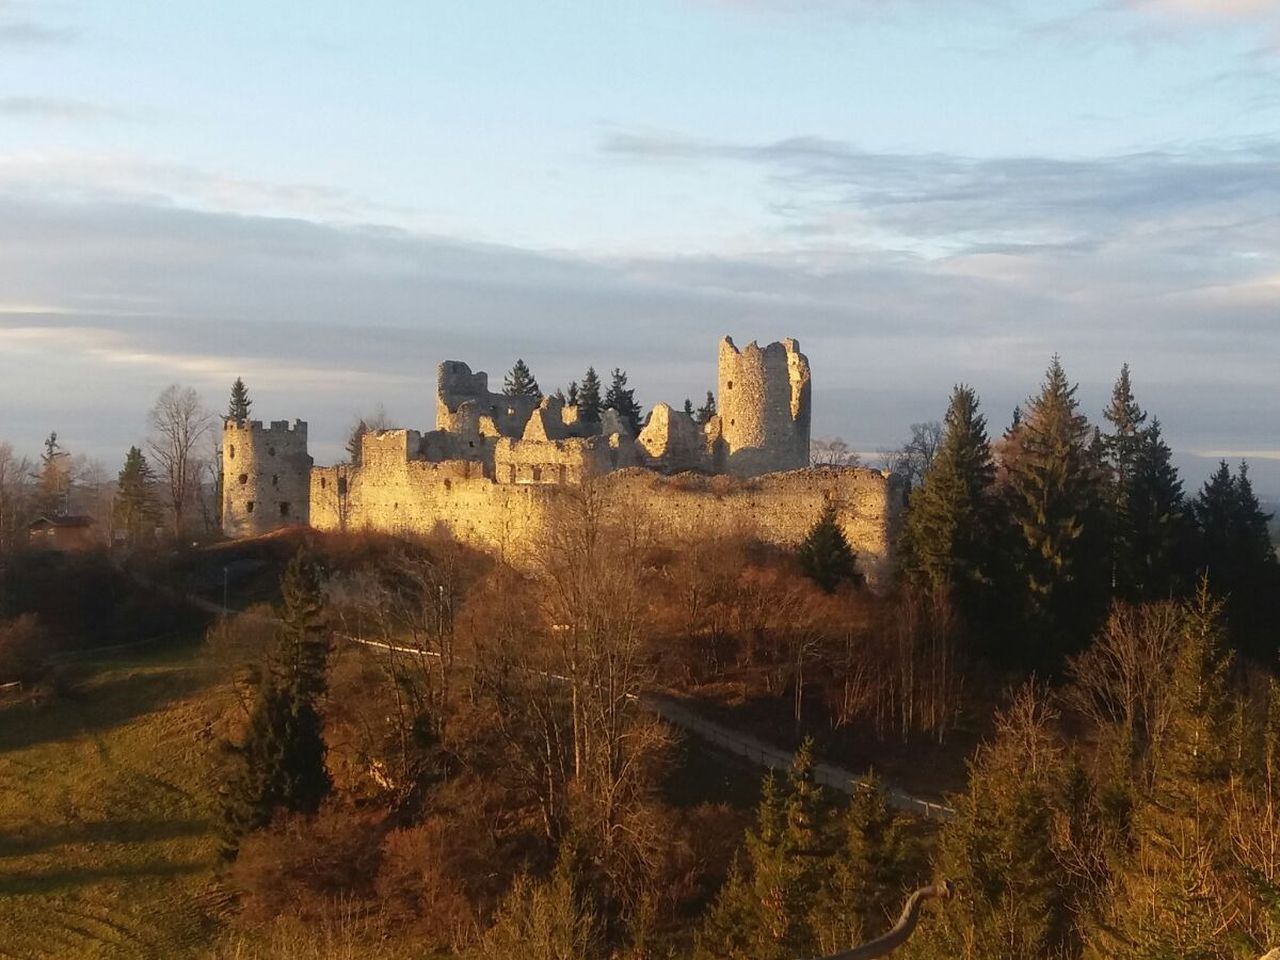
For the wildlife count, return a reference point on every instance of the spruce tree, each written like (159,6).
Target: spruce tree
(688,408)
(238,407)
(622,400)
(134,509)
(762,912)
(571,395)
(53,480)
(355,442)
(1154,529)
(1121,449)
(589,396)
(519,382)
(708,408)
(1056,503)
(825,554)
(951,523)
(282,760)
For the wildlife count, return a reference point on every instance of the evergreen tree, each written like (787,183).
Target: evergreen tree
(1121,449)
(825,554)
(951,523)
(1236,554)
(53,480)
(762,912)
(1154,527)
(571,397)
(135,509)
(1164,902)
(355,441)
(238,407)
(688,408)
(866,874)
(589,396)
(1055,501)
(519,382)
(708,408)
(282,759)
(621,399)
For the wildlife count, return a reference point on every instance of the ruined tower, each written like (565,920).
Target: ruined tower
(764,407)
(266,476)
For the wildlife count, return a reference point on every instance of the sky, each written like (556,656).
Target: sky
(330,198)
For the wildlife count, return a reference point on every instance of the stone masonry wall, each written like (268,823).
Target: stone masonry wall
(764,407)
(266,476)
(401,496)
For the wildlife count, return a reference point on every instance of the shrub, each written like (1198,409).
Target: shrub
(24,650)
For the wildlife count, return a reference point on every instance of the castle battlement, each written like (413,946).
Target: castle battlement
(495,469)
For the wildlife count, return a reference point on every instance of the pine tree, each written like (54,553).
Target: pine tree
(825,554)
(589,396)
(238,407)
(1055,501)
(1155,526)
(708,408)
(623,400)
(135,509)
(762,912)
(571,396)
(865,875)
(282,759)
(356,441)
(519,382)
(1164,903)
(1236,554)
(952,518)
(688,408)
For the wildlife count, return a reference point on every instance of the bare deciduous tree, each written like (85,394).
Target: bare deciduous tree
(15,496)
(178,421)
(912,460)
(832,452)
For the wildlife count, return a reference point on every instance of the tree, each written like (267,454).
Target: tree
(913,459)
(282,759)
(1155,526)
(15,497)
(622,400)
(589,396)
(762,912)
(825,554)
(952,520)
(571,395)
(178,423)
(369,423)
(688,409)
(708,408)
(519,382)
(238,407)
(53,478)
(1236,554)
(832,452)
(1054,494)
(134,507)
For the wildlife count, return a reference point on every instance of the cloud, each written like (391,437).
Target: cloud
(1208,9)
(31,33)
(57,108)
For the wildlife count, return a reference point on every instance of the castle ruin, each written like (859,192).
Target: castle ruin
(496,468)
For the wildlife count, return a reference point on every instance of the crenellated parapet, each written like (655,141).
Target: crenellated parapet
(266,476)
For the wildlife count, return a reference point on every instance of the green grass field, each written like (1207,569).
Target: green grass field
(107,828)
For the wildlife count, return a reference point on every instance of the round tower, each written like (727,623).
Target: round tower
(764,407)
(266,476)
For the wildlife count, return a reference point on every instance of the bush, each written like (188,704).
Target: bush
(24,650)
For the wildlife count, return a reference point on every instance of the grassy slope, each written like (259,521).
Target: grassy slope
(107,831)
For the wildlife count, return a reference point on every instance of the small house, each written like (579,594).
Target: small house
(63,533)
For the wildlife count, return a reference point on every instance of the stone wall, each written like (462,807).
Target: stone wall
(764,407)
(266,475)
(394,494)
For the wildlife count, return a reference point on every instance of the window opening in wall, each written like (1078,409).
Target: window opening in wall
(323,483)
(729,386)
(248,507)
(275,479)
(284,508)
(732,422)
(231,452)
(537,474)
(271,451)
(471,443)
(244,478)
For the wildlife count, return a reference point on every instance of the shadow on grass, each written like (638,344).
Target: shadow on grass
(95,708)
(38,838)
(65,881)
